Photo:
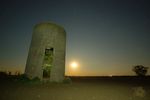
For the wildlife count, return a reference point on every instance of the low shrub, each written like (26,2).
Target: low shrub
(67,80)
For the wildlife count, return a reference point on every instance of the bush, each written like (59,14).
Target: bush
(67,80)
(3,74)
(23,78)
(140,70)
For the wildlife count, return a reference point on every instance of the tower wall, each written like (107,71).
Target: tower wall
(46,36)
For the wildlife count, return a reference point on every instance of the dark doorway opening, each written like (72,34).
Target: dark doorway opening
(47,62)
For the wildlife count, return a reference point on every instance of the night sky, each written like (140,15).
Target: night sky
(105,37)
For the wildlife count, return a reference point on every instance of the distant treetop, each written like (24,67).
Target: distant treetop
(140,70)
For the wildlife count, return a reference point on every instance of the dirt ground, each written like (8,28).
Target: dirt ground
(79,89)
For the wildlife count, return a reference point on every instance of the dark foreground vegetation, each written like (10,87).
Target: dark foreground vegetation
(78,88)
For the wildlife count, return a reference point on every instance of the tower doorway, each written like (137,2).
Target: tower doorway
(47,62)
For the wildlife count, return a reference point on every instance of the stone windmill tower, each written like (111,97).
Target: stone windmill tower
(46,58)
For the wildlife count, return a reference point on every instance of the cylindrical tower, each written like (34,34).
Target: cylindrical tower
(46,58)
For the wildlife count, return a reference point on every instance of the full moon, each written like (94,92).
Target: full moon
(74,65)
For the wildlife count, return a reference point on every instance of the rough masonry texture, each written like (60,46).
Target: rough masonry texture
(46,58)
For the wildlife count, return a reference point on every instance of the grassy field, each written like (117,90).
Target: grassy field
(81,88)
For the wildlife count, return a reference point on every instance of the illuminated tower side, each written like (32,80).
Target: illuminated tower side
(46,58)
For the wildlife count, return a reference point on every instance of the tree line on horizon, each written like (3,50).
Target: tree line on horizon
(139,70)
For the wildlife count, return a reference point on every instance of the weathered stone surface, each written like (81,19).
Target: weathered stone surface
(47,36)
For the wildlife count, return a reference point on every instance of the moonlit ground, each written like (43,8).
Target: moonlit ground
(79,89)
